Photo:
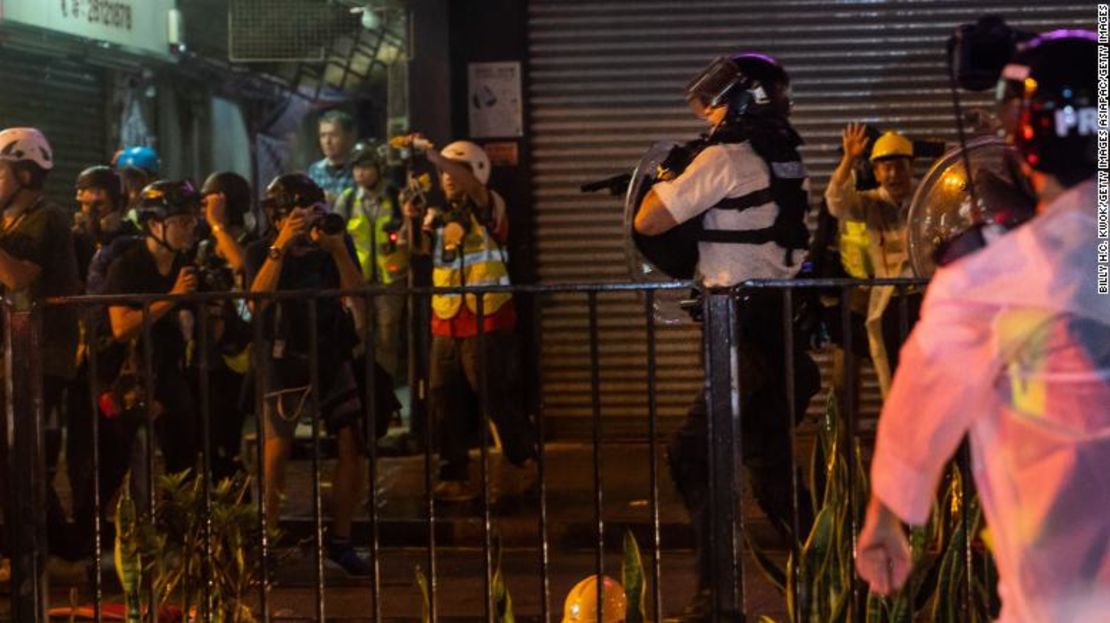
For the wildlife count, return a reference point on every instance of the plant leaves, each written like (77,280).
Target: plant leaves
(632,576)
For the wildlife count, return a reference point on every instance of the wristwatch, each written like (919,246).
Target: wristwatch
(275,252)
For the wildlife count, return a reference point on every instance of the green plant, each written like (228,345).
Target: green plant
(632,578)
(821,584)
(426,603)
(168,545)
(502,600)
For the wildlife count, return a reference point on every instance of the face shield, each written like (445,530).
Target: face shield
(708,89)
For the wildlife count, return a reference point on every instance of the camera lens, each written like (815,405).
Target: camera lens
(332,224)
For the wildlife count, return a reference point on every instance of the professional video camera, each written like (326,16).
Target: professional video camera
(947,212)
(978,52)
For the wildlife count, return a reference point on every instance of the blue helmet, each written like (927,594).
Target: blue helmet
(141,157)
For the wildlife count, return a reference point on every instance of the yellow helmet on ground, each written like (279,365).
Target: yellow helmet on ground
(581,604)
(891,145)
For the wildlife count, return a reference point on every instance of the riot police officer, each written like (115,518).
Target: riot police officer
(746,184)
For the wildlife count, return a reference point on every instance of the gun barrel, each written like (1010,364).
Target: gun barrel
(616,184)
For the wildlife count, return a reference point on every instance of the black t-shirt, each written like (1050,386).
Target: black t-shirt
(42,236)
(288,320)
(136,272)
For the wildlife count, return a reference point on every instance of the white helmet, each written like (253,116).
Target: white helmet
(471,154)
(26,145)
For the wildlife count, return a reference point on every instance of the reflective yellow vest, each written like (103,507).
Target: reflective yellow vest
(371,239)
(479,262)
(854,249)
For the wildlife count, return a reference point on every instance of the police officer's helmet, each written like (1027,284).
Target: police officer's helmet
(751,84)
(236,190)
(101,177)
(164,199)
(1054,79)
(290,191)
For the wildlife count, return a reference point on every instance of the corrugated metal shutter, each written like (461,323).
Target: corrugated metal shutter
(64,99)
(606,81)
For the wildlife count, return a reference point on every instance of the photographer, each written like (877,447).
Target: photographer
(309,250)
(878,216)
(159,265)
(374,222)
(1013,351)
(220,265)
(101,233)
(37,262)
(746,184)
(101,198)
(466,240)
(227,209)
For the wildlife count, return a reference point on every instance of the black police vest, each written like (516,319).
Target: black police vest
(675,252)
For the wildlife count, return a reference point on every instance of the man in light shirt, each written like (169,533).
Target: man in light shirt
(1013,349)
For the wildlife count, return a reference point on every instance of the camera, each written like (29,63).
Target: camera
(329,223)
(212,271)
(978,52)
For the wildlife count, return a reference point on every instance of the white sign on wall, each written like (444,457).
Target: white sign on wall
(494,100)
(139,24)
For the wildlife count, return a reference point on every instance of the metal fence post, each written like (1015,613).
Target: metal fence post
(723,401)
(26,466)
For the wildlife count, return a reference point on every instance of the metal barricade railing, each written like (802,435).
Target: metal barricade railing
(722,349)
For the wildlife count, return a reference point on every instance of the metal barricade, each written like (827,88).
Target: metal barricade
(722,391)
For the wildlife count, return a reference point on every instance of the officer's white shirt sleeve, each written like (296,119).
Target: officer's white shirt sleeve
(711,176)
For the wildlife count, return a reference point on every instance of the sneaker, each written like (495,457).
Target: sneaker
(347,558)
(455,491)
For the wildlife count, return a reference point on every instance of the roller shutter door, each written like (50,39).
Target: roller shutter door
(64,99)
(606,80)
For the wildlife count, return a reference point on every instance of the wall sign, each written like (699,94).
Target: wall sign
(139,24)
(494,100)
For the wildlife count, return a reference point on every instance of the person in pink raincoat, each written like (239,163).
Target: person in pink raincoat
(1013,350)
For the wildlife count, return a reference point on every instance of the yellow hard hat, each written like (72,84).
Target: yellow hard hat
(581,604)
(891,145)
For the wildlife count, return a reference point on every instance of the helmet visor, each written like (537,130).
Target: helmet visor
(709,88)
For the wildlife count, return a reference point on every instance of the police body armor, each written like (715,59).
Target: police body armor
(675,252)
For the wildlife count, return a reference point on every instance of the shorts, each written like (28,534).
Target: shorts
(289,398)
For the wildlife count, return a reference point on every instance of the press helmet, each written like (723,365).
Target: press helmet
(26,145)
(289,191)
(236,190)
(104,178)
(1054,82)
(751,84)
(139,157)
(366,153)
(471,154)
(165,198)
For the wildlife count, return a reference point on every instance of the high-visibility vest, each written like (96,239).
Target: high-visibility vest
(374,243)
(855,253)
(480,262)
